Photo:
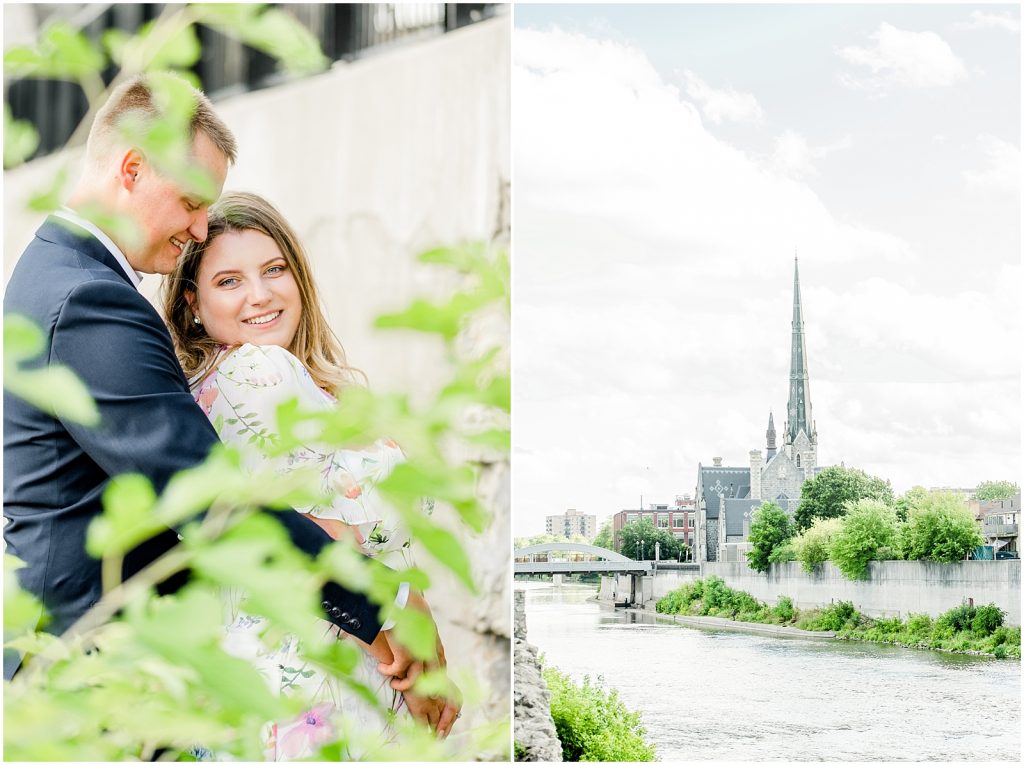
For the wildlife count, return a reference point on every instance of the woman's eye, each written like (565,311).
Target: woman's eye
(275,269)
(229,282)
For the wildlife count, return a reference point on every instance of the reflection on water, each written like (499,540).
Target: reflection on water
(708,695)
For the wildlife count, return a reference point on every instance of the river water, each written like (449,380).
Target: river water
(707,695)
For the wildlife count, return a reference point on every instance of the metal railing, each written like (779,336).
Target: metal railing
(998,529)
(345,31)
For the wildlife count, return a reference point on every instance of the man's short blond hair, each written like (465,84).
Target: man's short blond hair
(135,96)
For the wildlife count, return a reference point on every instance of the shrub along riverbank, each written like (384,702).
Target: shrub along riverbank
(593,724)
(964,629)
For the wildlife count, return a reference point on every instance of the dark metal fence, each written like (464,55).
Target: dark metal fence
(345,31)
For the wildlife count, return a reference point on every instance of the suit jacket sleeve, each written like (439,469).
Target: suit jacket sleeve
(110,336)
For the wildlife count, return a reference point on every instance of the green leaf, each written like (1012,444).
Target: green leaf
(495,438)
(20,140)
(22,611)
(269,30)
(415,630)
(58,390)
(40,643)
(445,547)
(466,257)
(151,48)
(127,519)
(63,53)
(433,683)
(187,629)
(49,199)
(410,481)
(54,389)
(23,340)
(121,227)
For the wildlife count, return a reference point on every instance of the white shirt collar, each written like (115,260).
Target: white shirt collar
(70,215)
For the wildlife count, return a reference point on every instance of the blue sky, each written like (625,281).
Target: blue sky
(668,161)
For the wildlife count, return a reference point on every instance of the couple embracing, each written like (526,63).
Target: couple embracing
(245,332)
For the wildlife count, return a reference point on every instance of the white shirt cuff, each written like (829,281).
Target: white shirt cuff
(400,600)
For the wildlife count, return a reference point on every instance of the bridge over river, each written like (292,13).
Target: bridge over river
(575,558)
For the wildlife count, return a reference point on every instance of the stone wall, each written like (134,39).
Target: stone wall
(894,588)
(534,729)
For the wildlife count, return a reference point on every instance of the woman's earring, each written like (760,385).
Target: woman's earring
(196,320)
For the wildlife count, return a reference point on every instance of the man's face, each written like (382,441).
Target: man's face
(167,215)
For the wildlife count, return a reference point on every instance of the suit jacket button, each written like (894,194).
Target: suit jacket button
(345,616)
(336,612)
(355,624)
(326,606)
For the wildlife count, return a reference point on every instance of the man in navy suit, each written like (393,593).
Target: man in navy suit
(79,282)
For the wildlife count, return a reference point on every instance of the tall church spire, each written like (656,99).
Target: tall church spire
(799,409)
(771,437)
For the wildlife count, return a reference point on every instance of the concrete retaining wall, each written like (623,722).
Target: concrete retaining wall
(894,588)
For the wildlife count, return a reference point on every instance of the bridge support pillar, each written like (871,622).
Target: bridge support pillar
(556,580)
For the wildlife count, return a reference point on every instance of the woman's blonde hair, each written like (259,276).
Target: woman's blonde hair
(315,345)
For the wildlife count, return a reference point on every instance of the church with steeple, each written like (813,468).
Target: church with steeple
(727,496)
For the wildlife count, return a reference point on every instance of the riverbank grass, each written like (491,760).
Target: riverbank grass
(963,629)
(593,724)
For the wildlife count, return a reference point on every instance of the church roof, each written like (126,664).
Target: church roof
(735,509)
(712,482)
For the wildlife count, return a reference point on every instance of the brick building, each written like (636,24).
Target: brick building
(677,518)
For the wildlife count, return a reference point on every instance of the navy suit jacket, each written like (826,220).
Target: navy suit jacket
(98,324)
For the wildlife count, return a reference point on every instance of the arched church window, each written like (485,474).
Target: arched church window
(798,460)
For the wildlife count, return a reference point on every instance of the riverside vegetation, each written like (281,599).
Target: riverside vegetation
(593,724)
(921,525)
(963,629)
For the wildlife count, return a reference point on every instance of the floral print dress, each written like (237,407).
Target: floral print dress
(241,397)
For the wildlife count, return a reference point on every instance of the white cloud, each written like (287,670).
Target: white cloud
(1003,167)
(983,20)
(719,105)
(795,157)
(902,58)
(653,277)
(653,263)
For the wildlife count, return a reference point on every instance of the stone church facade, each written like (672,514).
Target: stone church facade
(727,496)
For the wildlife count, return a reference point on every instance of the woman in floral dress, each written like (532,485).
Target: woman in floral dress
(246,320)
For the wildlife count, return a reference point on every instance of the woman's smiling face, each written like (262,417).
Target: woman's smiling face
(246,292)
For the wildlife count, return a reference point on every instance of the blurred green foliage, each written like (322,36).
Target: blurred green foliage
(160,680)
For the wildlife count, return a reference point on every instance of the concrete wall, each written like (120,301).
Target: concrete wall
(372,162)
(895,588)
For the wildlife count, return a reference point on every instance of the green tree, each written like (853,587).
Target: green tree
(830,493)
(990,490)
(911,498)
(604,537)
(536,539)
(867,531)
(812,546)
(770,527)
(638,538)
(939,527)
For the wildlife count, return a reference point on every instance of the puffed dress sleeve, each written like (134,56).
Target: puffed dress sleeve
(241,398)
